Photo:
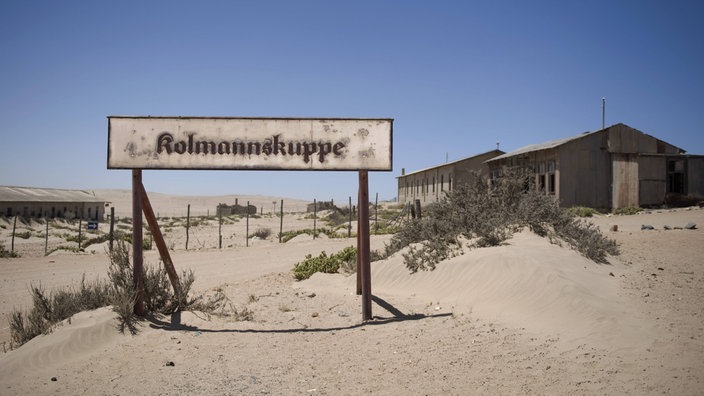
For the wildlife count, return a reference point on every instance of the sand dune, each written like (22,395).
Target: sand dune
(526,317)
(528,283)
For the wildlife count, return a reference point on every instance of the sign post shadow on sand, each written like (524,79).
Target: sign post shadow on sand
(244,143)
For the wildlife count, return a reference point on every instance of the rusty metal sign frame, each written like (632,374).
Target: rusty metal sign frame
(242,143)
(141,204)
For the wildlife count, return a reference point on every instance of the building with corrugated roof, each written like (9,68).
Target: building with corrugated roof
(615,167)
(429,185)
(50,202)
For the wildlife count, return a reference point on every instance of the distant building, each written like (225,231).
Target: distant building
(236,209)
(320,206)
(50,202)
(615,167)
(430,184)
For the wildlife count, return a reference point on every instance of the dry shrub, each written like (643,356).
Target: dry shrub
(262,233)
(49,309)
(489,214)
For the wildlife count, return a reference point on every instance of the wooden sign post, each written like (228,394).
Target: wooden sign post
(329,144)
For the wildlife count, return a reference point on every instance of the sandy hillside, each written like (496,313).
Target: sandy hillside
(177,205)
(524,318)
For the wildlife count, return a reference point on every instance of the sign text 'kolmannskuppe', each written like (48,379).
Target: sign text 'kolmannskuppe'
(249,143)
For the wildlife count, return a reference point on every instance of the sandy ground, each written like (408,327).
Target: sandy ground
(524,318)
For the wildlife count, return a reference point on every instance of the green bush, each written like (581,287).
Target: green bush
(288,235)
(324,263)
(582,211)
(6,253)
(23,235)
(631,210)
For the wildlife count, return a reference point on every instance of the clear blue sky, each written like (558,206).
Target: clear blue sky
(455,76)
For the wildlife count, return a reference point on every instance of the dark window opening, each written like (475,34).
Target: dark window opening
(541,182)
(675,177)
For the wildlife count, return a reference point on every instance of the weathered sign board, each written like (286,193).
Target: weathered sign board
(249,143)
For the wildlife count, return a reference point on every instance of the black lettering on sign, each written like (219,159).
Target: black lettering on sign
(274,146)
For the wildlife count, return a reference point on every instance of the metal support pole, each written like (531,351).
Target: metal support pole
(363,249)
(137,257)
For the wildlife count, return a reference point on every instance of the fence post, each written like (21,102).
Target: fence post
(315,216)
(112,226)
(188,223)
(349,224)
(14,226)
(80,224)
(281,223)
(46,236)
(220,229)
(246,230)
(376,214)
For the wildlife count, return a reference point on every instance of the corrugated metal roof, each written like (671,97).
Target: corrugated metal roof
(542,146)
(32,194)
(445,164)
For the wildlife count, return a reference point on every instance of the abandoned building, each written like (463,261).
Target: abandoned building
(319,206)
(428,185)
(615,167)
(31,202)
(236,209)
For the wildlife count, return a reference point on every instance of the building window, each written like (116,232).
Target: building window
(449,182)
(551,177)
(675,177)
(541,176)
(442,181)
(433,183)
